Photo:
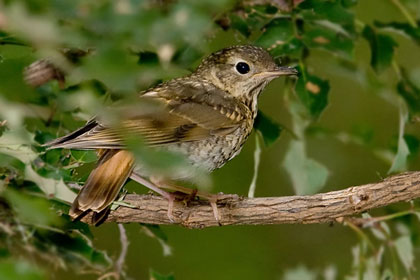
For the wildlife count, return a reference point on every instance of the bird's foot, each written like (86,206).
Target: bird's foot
(213,204)
(213,199)
(187,194)
(187,198)
(169,196)
(191,194)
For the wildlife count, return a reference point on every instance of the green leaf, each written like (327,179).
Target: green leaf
(328,25)
(17,144)
(308,176)
(370,266)
(19,270)
(119,76)
(279,40)
(239,23)
(155,231)
(163,162)
(270,130)
(329,36)
(410,93)
(278,33)
(75,247)
(387,274)
(300,272)
(381,47)
(400,161)
(7,39)
(406,28)
(312,92)
(417,215)
(332,10)
(382,232)
(157,276)
(257,16)
(84,156)
(349,3)
(31,210)
(11,162)
(413,144)
(149,58)
(405,251)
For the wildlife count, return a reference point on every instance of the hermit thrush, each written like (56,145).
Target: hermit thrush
(206,116)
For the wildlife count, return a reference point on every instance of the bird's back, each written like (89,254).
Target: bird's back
(197,119)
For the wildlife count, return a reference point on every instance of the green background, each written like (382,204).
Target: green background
(359,122)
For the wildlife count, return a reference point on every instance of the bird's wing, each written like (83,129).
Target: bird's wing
(189,113)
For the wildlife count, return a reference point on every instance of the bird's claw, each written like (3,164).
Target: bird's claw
(213,204)
(170,211)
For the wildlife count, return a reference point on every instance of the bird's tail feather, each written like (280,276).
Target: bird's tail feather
(103,183)
(60,142)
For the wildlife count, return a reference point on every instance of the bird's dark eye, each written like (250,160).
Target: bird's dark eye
(242,68)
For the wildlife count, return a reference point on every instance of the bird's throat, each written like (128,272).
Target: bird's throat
(251,98)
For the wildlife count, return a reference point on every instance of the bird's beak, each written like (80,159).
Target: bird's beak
(281,71)
(285,71)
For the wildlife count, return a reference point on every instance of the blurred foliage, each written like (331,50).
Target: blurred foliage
(109,50)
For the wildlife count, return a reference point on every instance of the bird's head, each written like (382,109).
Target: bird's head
(242,71)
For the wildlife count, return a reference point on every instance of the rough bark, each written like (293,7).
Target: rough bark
(235,210)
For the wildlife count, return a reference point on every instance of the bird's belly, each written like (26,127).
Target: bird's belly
(205,155)
(213,152)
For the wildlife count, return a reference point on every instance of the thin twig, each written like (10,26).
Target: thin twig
(257,158)
(405,13)
(109,275)
(119,264)
(368,222)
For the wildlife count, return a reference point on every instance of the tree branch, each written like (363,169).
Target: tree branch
(41,72)
(235,210)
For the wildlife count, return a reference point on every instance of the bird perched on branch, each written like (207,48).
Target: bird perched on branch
(206,116)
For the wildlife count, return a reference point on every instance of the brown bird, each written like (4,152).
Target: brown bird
(206,116)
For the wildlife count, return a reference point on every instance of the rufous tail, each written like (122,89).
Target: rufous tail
(103,184)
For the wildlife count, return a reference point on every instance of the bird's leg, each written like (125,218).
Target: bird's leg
(169,196)
(190,197)
(212,198)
